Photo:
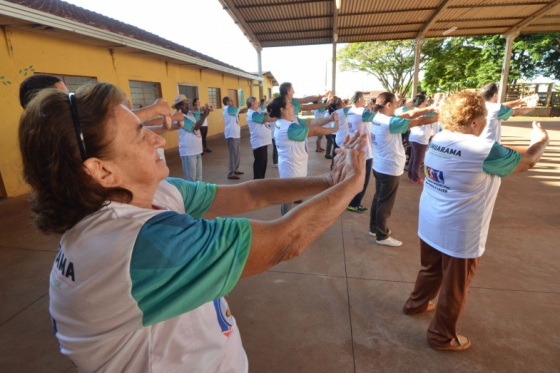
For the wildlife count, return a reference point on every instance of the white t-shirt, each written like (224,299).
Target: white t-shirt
(291,142)
(359,119)
(496,113)
(319,113)
(259,129)
(386,136)
(190,141)
(422,134)
(462,181)
(141,290)
(343,123)
(231,118)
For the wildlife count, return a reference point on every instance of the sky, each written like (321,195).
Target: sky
(202,25)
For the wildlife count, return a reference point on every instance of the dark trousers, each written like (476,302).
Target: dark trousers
(385,195)
(335,146)
(330,141)
(204,133)
(357,200)
(451,277)
(416,159)
(274,153)
(261,159)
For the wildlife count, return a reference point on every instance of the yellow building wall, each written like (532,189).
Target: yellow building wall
(23,50)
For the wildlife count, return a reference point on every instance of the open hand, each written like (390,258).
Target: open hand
(161,107)
(349,164)
(538,134)
(532,101)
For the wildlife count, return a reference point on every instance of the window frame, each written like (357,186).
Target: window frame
(218,94)
(63,77)
(158,86)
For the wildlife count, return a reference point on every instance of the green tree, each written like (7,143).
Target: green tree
(469,62)
(391,62)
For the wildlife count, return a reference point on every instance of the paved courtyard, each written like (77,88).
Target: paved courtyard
(337,308)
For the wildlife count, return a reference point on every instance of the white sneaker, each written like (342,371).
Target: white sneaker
(274,165)
(389,241)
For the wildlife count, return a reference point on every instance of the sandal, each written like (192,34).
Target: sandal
(464,343)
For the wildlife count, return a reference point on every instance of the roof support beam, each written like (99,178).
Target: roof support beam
(241,23)
(496,5)
(266,5)
(430,22)
(292,31)
(532,18)
(285,19)
(477,19)
(505,67)
(336,7)
(417,56)
(385,12)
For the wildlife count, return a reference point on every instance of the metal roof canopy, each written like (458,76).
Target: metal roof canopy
(277,23)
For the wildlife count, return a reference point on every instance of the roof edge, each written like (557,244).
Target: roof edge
(47,19)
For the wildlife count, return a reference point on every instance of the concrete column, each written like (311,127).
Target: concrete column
(417,55)
(259,58)
(505,67)
(333,89)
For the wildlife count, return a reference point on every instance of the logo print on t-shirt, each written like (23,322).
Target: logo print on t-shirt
(434,175)
(225,319)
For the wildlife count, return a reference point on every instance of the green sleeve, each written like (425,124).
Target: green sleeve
(196,115)
(297,132)
(232,110)
(398,125)
(367,116)
(432,114)
(297,107)
(501,161)
(179,263)
(321,110)
(302,121)
(504,113)
(188,126)
(258,118)
(346,110)
(197,196)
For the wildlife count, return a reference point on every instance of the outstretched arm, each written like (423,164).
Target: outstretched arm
(164,124)
(258,194)
(308,99)
(287,237)
(530,157)
(160,107)
(415,113)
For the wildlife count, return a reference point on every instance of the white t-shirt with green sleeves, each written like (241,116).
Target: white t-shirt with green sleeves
(190,141)
(141,290)
(259,129)
(359,119)
(496,113)
(291,142)
(422,134)
(386,137)
(461,185)
(231,117)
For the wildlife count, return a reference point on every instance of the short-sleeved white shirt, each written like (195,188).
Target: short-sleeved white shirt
(259,129)
(291,142)
(190,140)
(386,136)
(359,119)
(231,117)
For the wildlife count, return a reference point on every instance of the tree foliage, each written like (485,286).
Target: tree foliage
(453,63)
(469,62)
(391,62)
